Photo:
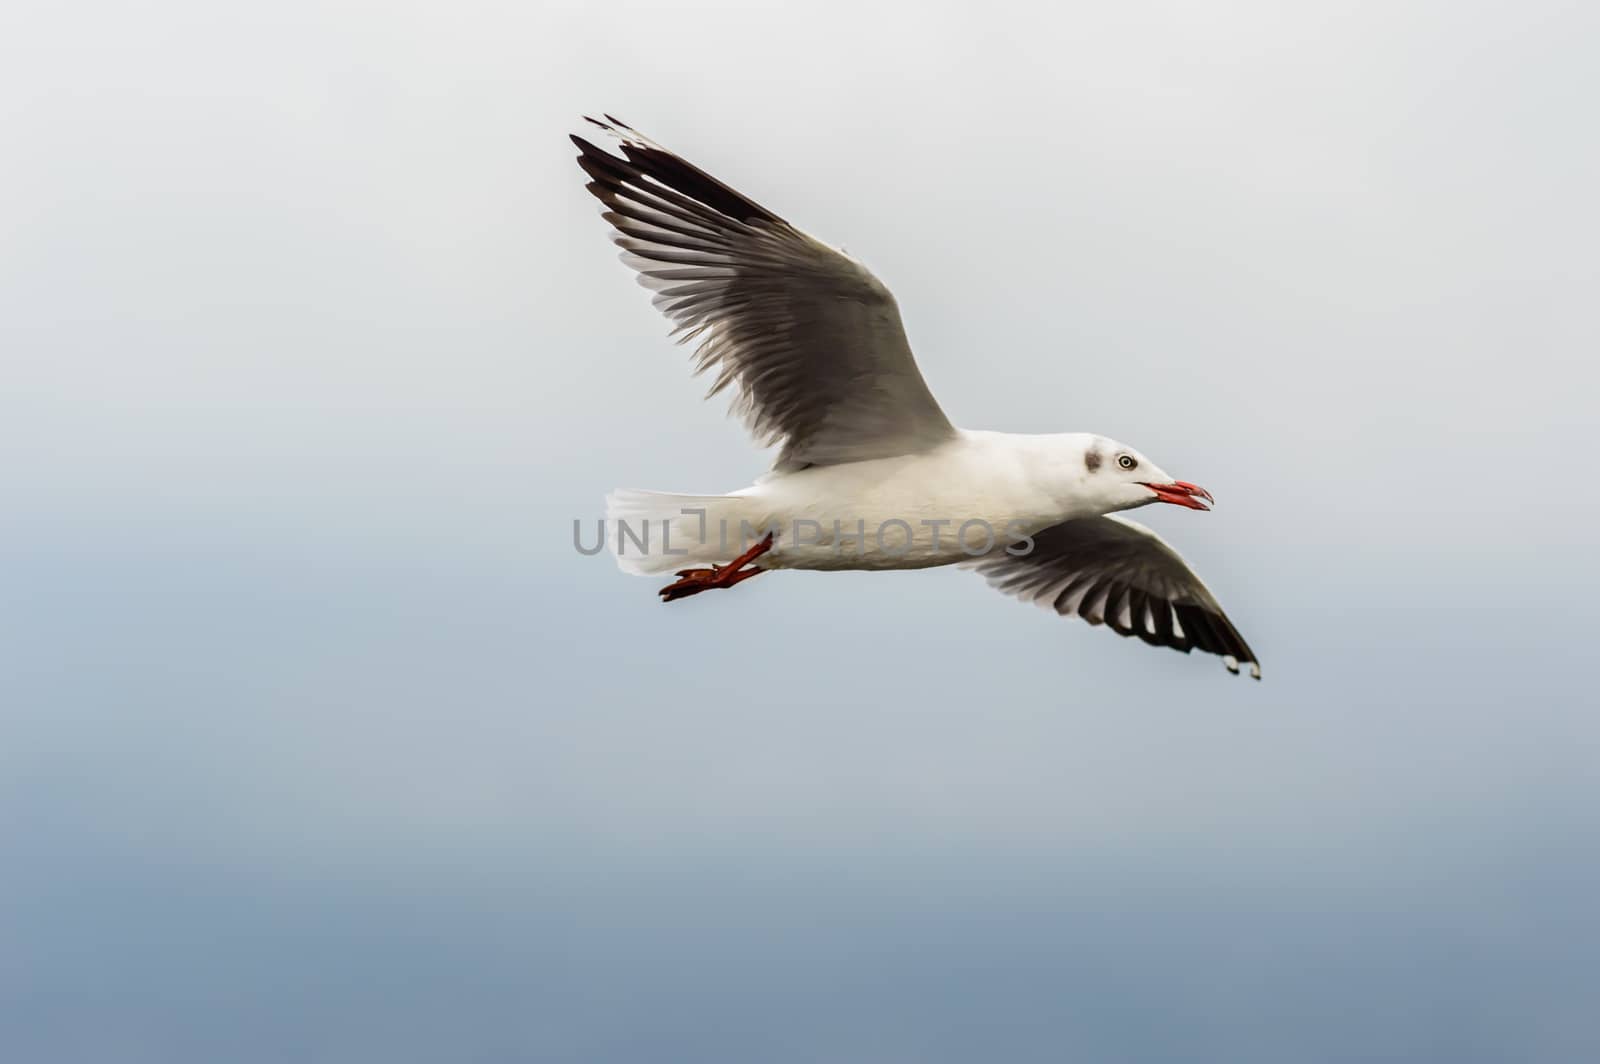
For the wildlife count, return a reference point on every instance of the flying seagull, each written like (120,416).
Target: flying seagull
(870,474)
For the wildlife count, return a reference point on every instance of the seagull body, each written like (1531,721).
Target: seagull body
(995,480)
(870,474)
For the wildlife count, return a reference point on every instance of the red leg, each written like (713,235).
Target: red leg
(694,581)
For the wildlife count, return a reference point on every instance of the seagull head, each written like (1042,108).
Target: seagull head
(1124,479)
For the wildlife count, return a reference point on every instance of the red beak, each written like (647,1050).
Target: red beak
(1182,493)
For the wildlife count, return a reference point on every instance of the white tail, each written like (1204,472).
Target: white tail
(658,531)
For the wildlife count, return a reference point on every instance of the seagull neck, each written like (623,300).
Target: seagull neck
(1061,463)
(1049,469)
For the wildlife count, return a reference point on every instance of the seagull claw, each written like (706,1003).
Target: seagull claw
(694,581)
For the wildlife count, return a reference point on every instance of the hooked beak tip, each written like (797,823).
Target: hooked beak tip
(1182,493)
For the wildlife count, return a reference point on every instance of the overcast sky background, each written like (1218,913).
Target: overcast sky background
(318,741)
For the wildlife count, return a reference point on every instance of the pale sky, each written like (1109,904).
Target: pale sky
(319,740)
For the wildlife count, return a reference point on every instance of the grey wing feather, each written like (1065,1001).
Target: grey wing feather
(1109,570)
(807,339)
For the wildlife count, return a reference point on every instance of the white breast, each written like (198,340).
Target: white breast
(906,512)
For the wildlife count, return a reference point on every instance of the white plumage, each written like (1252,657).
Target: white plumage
(870,474)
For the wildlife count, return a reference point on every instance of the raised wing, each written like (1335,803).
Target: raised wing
(808,339)
(1109,570)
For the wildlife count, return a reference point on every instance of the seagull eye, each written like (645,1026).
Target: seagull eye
(1126,462)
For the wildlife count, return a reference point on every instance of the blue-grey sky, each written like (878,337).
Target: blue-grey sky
(318,741)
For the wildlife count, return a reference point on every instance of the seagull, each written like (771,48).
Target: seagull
(870,474)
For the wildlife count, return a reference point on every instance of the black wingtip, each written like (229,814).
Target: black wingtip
(612,124)
(642,158)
